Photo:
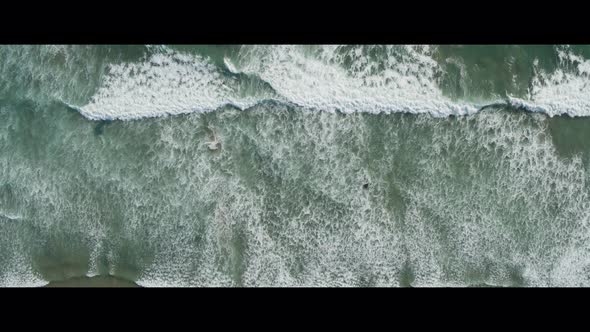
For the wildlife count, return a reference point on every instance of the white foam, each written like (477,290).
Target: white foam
(18,272)
(564,91)
(165,83)
(10,216)
(230,66)
(497,213)
(172,83)
(480,204)
(395,84)
(329,78)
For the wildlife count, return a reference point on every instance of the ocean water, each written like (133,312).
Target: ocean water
(295,165)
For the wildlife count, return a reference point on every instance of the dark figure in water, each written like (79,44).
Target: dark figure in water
(214,142)
(366,186)
(99,129)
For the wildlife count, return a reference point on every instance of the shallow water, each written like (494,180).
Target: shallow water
(337,166)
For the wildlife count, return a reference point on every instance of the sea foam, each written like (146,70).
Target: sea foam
(331,78)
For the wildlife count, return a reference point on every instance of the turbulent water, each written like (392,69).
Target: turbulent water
(295,165)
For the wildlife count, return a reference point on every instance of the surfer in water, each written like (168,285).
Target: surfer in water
(214,143)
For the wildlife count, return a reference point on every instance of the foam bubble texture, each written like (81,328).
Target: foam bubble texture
(165,83)
(173,83)
(566,91)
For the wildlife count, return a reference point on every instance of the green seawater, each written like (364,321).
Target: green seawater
(295,166)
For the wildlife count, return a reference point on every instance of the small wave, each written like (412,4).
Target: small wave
(9,216)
